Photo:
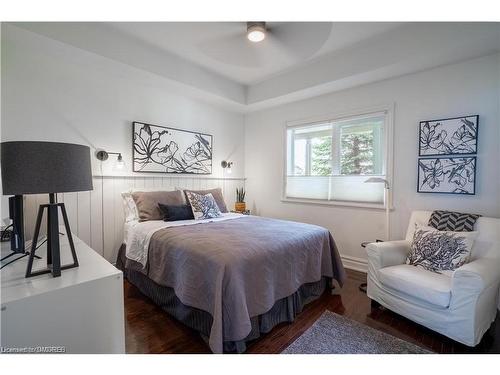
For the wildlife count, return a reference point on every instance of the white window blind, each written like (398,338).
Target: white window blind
(330,160)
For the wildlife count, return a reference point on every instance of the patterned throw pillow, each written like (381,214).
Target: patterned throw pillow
(217,193)
(203,206)
(440,251)
(453,221)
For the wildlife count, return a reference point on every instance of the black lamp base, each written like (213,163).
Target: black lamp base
(53,247)
(17,245)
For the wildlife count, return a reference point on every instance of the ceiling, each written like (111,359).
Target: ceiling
(216,63)
(222,47)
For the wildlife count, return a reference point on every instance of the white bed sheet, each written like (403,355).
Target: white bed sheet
(138,234)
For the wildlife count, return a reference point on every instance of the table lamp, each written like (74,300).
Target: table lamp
(34,167)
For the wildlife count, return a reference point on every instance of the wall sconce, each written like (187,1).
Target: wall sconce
(104,155)
(227,166)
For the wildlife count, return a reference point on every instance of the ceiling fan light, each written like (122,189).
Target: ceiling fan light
(256,31)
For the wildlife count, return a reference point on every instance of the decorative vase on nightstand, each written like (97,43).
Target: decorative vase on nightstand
(240,205)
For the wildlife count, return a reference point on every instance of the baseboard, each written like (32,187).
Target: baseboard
(356,264)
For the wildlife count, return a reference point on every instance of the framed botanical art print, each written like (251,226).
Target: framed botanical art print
(169,150)
(452,136)
(448,175)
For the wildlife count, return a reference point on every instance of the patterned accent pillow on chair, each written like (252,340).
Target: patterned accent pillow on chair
(203,206)
(453,221)
(440,251)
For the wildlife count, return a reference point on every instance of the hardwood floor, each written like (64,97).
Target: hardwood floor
(149,329)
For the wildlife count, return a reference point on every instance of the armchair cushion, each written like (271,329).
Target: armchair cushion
(429,287)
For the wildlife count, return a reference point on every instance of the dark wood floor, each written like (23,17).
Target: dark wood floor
(149,329)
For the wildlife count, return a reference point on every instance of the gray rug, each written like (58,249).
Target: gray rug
(335,334)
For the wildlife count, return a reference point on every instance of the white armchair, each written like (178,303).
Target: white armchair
(461,306)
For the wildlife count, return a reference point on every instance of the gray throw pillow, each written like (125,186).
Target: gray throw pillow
(147,203)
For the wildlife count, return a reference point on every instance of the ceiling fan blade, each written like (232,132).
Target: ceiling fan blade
(301,39)
(284,42)
(234,49)
(279,49)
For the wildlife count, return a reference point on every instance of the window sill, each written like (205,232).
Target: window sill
(319,202)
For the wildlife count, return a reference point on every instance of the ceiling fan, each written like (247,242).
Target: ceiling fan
(265,41)
(256,31)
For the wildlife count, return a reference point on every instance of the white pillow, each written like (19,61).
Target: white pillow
(129,207)
(440,251)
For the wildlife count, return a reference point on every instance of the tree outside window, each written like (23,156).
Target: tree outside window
(357,153)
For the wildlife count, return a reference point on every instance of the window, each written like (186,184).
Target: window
(330,160)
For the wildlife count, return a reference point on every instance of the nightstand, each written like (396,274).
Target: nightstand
(246,212)
(79,312)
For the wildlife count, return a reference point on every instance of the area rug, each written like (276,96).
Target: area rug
(335,334)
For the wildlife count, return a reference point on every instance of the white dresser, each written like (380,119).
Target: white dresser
(79,312)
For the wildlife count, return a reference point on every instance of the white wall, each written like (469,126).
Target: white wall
(55,92)
(471,87)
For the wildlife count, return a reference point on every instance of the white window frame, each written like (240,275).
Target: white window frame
(388,110)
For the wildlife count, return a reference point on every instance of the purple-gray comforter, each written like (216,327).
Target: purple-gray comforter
(237,269)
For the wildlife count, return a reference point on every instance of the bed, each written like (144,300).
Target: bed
(231,278)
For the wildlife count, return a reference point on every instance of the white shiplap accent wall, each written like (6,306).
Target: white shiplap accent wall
(97,216)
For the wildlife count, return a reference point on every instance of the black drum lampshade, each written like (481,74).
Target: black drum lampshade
(44,167)
(35,167)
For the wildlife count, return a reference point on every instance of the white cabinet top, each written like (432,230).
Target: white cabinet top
(15,286)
